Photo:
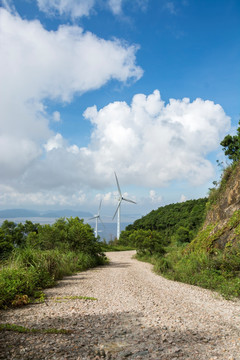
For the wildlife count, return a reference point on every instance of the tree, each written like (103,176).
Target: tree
(6,244)
(231,145)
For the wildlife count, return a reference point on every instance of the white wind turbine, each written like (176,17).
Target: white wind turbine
(118,210)
(97,217)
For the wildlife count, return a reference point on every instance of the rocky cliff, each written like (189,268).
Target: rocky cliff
(221,228)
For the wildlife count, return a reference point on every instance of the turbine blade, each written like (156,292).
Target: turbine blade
(102,222)
(119,203)
(131,201)
(94,217)
(99,207)
(119,190)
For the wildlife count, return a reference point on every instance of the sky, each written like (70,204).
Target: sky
(143,88)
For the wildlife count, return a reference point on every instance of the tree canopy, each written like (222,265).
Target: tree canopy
(231,145)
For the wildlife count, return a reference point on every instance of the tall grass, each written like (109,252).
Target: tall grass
(219,271)
(29,270)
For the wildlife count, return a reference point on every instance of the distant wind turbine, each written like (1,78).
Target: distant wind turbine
(118,210)
(97,217)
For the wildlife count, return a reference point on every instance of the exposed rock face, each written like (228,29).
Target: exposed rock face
(222,224)
(225,214)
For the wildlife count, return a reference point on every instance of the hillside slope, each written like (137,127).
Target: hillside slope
(221,228)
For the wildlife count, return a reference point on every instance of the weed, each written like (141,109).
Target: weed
(74,298)
(22,329)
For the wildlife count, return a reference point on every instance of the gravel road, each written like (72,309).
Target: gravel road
(137,315)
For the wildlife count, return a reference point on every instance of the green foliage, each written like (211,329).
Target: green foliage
(218,271)
(22,329)
(185,258)
(37,256)
(109,247)
(167,219)
(219,187)
(76,297)
(183,235)
(6,245)
(231,146)
(147,241)
(32,269)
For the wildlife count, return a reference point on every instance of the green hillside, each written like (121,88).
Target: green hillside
(169,220)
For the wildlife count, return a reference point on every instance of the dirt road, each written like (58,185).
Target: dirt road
(137,315)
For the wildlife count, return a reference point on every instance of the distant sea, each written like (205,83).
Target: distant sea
(108,232)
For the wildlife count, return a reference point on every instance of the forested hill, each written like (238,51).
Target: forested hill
(185,217)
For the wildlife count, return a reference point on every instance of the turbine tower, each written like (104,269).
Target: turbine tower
(96,217)
(118,210)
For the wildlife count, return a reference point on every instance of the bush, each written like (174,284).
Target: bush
(147,242)
(32,269)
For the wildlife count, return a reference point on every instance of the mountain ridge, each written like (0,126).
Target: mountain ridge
(14,213)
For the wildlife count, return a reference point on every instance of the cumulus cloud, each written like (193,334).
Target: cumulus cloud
(54,142)
(149,143)
(37,64)
(154,143)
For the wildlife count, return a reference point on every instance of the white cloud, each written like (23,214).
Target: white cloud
(56,116)
(115,6)
(37,64)
(55,142)
(154,197)
(9,6)
(73,8)
(78,8)
(153,143)
(183,198)
(12,198)
(149,143)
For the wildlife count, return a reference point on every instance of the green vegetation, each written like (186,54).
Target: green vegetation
(173,240)
(175,222)
(113,245)
(231,145)
(220,187)
(41,255)
(76,297)
(22,329)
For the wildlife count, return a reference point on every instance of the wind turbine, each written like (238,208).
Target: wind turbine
(118,210)
(96,217)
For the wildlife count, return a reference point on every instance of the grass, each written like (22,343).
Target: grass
(29,270)
(74,298)
(219,271)
(109,247)
(22,329)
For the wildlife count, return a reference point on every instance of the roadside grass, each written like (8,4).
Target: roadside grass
(74,297)
(24,330)
(109,247)
(219,271)
(29,270)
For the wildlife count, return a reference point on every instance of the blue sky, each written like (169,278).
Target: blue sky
(146,88)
